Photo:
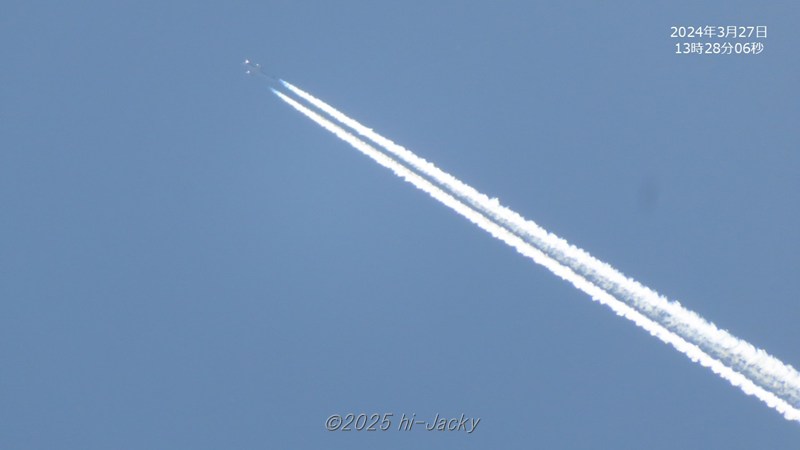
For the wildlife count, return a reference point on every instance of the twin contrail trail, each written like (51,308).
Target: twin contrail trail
(751,369)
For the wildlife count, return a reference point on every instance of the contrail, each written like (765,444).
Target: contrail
(768,371)
(735,360)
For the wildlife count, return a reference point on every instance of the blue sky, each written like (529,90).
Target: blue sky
(188,263)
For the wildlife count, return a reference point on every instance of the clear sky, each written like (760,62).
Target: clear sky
(187,263)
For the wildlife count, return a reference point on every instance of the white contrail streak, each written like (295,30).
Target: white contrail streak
(737,361)
(767,370)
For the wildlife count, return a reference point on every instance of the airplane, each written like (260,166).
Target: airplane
(255,69)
